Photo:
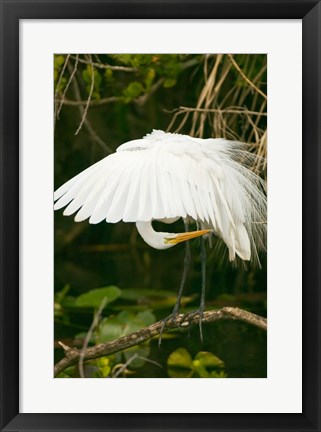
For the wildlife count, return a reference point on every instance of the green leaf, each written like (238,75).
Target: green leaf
(110,329)
(149,77)
(59,60)
(87,77)
(124,317)
(63,375)
(204,365)
(220,374)
(207,365)
(67,373)
(124,323)
(103,364)
(95,297)
(138,294)
(169,82)
(126,59)
(209,360)
(108,74)
(133,90)
(179,364)
(146,317)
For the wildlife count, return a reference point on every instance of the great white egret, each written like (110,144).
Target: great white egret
(166,176)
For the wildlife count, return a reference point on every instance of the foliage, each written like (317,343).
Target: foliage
(108,99)
(93,298)
(204,365)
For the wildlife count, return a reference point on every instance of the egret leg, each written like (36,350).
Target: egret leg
(200,311)
(202,303)
(187,261)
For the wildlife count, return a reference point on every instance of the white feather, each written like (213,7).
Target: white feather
(170,176)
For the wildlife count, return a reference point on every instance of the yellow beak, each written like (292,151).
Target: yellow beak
(186,236)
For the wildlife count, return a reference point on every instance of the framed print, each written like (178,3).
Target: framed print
(154,119)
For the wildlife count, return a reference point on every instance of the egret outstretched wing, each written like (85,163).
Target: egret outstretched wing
(168,175)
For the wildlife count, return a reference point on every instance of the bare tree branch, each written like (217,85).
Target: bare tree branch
(60,101)
(107,66)
(141,100)
(145,334)
(72,73)
(89,96)
(229,110)
(103,101)
(93,135)
(120,368)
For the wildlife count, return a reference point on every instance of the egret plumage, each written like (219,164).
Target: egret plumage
(166,176)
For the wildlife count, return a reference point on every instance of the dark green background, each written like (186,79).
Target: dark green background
(93,256)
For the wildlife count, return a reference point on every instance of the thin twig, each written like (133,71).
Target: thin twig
(107,66)
(58,84)
(237,67)
(103,101)
(228,110)
(123,367)
(94,324)
(94,136)
(182,321)
(210,81)
(73,71)
(141,100)
(89,96)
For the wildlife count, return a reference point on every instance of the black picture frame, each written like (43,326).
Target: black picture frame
(11,12)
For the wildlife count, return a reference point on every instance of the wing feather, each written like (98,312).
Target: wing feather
(117,205)
(144,199)
(177,198)
(131,210)
(171,176)
(107,192)
(78,179)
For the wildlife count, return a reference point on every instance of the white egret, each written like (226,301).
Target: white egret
(166,176)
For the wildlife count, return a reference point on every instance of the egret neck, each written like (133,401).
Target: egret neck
(164,240)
